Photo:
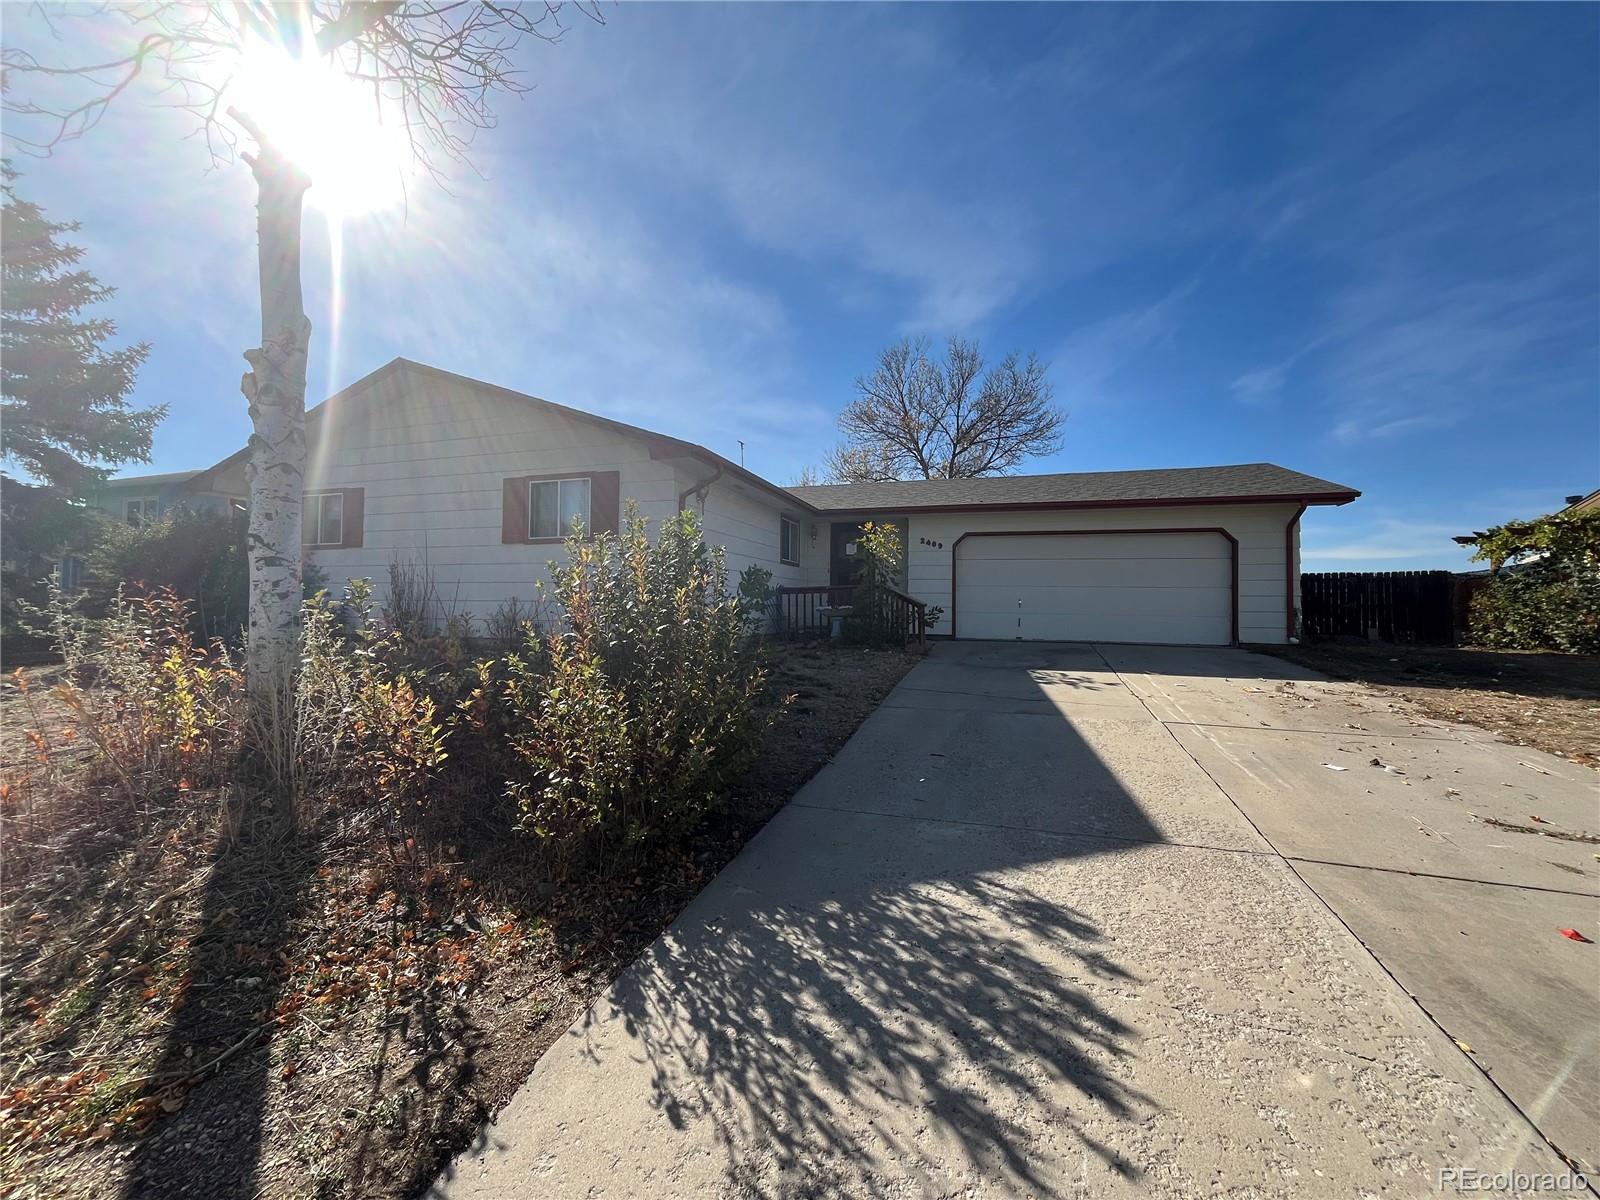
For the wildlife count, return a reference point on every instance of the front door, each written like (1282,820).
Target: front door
(843,563)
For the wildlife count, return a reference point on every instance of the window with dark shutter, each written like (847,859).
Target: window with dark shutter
(542,509)
(332,520)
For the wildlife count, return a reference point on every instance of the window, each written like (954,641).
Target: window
(333,519)
(140,513)
(789,540)
(324,520)
(538,510)
(555,504)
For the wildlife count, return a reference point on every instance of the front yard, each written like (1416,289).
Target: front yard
(327,1018)
(1532,698)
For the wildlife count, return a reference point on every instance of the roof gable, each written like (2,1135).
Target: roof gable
(661,445)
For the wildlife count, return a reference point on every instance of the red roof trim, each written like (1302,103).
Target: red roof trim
(1050,505)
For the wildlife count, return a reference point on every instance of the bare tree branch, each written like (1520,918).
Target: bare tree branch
(431,67)
(917,418)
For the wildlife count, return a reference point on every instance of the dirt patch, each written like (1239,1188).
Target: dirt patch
(1545,700)
(329,1020)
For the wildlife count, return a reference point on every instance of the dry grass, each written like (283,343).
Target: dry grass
(320,1015)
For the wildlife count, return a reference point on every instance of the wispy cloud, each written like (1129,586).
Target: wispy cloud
(1382,539)
(1408,354)
(1090,357)
(1427,322)
(584,304)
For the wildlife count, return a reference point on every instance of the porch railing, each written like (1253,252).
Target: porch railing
(804,612)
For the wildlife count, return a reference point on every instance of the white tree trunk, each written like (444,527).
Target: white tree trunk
(276,389)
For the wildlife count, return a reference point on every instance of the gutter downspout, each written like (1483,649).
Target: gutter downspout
(1289,573)
(700,488)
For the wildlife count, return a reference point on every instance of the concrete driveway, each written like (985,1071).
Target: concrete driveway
(1077,920)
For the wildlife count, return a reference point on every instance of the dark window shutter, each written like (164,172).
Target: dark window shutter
(605,501)
(514,512)
(355,515)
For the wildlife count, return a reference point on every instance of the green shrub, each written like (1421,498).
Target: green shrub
(755,598)
(1544,590)
(882,561)
(646,704)
(617,730)
(200,556)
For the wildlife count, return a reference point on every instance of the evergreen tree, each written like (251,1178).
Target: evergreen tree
(64,412)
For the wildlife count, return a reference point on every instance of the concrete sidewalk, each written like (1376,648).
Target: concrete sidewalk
(1014,940)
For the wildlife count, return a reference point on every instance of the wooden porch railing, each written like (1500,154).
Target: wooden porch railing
(802,612)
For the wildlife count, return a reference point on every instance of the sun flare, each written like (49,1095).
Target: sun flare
(327,124)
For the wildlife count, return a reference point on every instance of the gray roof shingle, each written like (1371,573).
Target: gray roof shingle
(1172,485)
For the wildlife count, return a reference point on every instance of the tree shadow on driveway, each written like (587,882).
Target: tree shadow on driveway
(799,1034)
(872,1001)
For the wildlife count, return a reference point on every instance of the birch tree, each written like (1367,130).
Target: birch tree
(432,67)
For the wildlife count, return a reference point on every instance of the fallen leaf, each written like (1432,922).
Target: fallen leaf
(1575,936)
(1462,1044)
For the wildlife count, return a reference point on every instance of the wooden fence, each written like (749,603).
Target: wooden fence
(1394,606)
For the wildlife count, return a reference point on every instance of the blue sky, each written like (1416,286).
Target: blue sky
(1362,241)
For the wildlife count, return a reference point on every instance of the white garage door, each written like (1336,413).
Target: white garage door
(1096,587)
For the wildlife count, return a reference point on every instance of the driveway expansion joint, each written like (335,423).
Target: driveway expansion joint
(1352,734)
(1500,883)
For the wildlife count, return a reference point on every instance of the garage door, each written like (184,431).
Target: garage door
(1095,587)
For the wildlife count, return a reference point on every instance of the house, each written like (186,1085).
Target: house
(1571,504)
(479,482)
(1583,503)
(140,499)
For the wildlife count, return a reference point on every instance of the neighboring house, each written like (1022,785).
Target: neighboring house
(1583,503)
(479,482)
(1573,504)
(141,499)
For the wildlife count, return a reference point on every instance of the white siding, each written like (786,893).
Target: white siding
(432,458)
(745,523)
(1259,529)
